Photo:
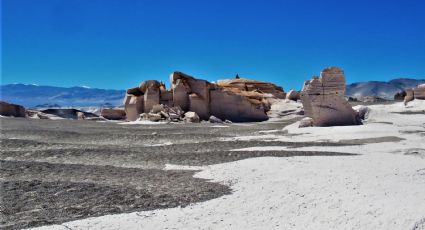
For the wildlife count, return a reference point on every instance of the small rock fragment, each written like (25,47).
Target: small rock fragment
(191,117)
(306,122)
(154,117)
(214,119)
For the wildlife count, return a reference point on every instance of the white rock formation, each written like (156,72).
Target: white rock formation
(323,100)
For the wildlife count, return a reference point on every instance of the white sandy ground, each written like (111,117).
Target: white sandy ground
(142,123)
(381,189)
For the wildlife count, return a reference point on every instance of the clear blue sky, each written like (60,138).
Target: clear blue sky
(118,43)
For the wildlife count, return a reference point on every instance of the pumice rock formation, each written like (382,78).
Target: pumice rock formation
(324,102)
(199,96)
(415,93)
(253,85)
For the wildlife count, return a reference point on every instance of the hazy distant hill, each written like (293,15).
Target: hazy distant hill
(380,88)
(34,95)
(51,96)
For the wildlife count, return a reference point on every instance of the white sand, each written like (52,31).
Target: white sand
(143,122)
(381,189)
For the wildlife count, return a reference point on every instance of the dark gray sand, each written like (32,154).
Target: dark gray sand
(57,171)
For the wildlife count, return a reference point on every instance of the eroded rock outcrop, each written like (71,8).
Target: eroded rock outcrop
(13,110)
(420,92)
(253,85)
(198,96)
(415,93)
(113,114)
(324,102)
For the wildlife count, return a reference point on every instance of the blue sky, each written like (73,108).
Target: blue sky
(118,43)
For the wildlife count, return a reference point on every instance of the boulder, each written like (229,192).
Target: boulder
(133,106)
(363,112)
(30,113)
(13,110)
(352,99)
(149,84)
(323,100)
(306,122)
(214,119)
(154,117)
(165,115)
(399,96)
(80,116)
(191,117)
(174,117)
(419,92)
(134,91)
(415,93)
(143,117)
(113,114)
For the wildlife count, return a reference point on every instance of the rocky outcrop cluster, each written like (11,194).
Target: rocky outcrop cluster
(324,102)
(415,93)
(205,99)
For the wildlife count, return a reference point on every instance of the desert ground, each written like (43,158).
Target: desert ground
(69,174)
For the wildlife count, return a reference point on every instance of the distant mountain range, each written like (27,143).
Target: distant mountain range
(381,89)
(32,96)
(50,96)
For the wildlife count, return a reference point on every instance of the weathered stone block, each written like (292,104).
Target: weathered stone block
(191,117)
(113,114)
(134,105)
(323,100)
(236,108)
(181,95)
(199,105)
(151,98)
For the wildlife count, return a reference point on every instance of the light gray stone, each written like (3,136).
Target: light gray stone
(191,117)
(323,100)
